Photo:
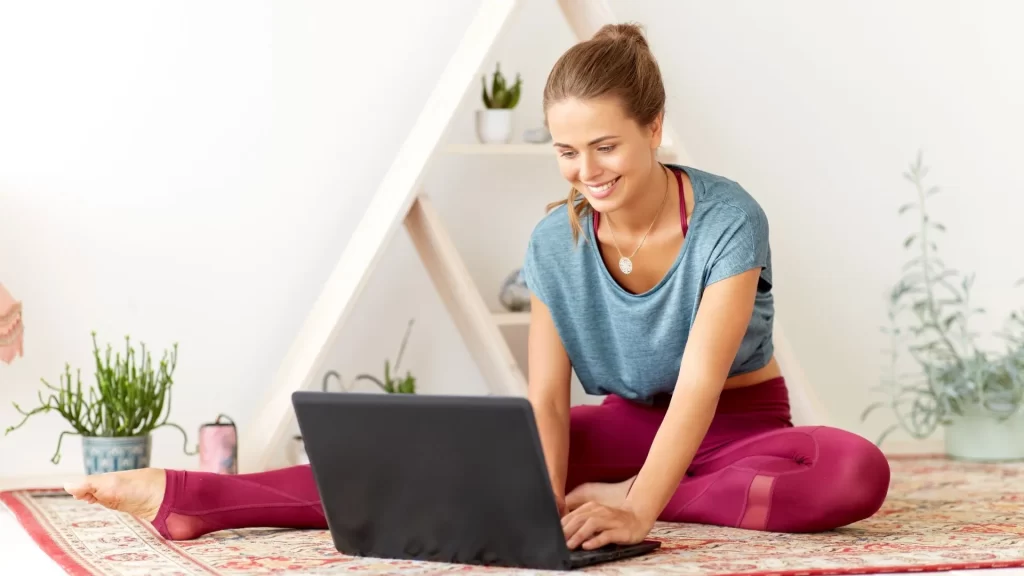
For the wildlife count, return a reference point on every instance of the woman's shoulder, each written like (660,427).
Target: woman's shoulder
(724,208)
(730,227)
(553,232)
(715,193)
(552,254)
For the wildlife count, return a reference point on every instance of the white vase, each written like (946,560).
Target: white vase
(494,126)
(984,438)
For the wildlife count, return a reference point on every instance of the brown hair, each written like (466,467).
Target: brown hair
(617,61)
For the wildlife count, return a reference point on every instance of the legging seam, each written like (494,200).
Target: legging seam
(746,502)
(810,435)
(771,500)
(307,504)
(746,496)
(686,505)
(268,488)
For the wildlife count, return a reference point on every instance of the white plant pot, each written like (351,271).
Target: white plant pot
(494,126)
(984,438)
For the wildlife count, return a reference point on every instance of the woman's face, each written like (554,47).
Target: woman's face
(602,152)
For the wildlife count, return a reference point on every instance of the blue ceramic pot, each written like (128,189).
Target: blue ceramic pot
(107,454)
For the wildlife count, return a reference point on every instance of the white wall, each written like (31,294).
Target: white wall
(818,108)
(191,173)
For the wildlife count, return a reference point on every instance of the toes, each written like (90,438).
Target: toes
(78,489)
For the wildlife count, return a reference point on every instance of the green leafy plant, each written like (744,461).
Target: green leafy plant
(502,95)
(131,396)
(394,385)
(929,314)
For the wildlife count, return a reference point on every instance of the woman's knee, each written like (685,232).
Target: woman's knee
(859,471)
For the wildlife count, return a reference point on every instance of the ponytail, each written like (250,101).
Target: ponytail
(578,209)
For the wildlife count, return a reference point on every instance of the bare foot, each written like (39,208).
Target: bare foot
(602,493)
(137,492)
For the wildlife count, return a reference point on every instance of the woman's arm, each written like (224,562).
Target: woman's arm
(548,393)
(715,337)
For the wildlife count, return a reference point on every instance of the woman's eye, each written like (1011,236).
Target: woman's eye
(567,154)
(606,148)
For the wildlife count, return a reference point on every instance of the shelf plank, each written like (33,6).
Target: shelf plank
(512,318)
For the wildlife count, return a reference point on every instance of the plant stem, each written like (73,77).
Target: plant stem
(926,271)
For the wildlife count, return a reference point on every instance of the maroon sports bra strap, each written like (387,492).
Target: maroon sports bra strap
(682,205)
(682,200)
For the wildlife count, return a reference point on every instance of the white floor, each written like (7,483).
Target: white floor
(18,549)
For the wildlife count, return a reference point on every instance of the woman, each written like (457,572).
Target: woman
(654,283)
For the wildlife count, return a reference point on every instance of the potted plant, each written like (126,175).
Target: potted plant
(117,417)
(974,392)
(494,122)
(392,385)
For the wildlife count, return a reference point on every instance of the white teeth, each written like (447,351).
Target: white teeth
(599,189)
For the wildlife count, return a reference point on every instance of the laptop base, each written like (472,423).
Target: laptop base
(580,558)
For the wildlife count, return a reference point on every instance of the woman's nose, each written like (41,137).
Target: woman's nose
(589,170)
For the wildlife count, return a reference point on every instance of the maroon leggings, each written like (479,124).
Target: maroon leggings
(753,470)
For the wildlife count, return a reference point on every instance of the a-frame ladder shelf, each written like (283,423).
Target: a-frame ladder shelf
(500,149)
(512,318)
(398,203)
(666,152)
(476,323)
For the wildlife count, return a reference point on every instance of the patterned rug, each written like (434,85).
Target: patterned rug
(940,515)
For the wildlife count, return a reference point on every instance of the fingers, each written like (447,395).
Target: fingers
(587,530)
(80,489)
(576,498)
(572,521)
(580,511)
(613,536)
(589,521)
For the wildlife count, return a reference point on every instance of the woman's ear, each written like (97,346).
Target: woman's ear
(655,132)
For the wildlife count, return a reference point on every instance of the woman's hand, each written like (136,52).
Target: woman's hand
(594,525)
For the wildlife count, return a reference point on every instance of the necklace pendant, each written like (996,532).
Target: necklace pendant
(626,265)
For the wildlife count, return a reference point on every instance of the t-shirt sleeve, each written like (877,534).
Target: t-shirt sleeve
(741,243)
(532,271)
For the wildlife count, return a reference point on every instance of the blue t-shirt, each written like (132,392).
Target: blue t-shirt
(631,345)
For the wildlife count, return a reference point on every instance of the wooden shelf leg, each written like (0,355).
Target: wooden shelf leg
(465,304)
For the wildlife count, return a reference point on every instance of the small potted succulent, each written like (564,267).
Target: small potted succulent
(117,417)
(494,122)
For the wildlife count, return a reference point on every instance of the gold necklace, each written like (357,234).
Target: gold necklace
(626,262)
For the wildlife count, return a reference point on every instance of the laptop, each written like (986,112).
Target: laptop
(456,479)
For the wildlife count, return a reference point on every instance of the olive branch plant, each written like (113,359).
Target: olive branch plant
(929,313)
(130,398)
